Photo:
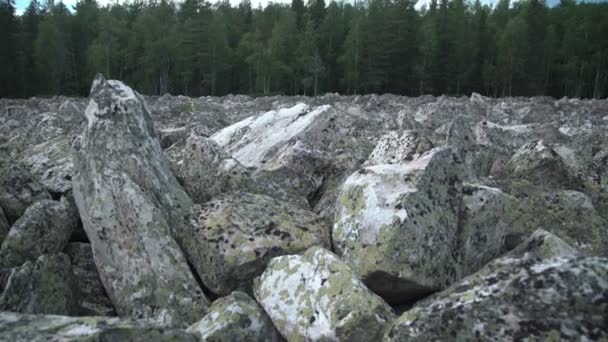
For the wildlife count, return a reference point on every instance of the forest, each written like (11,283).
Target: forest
(198,48)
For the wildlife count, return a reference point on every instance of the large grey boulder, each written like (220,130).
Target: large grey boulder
(396,225)
(558,298)
(236,317)
(45,286)
(128,201)
(398,147)
(44,228)
(206,171)
(51,163)
(315,296)
(233,236)
(41,328)
(18,190)
(92,297)
(485,222)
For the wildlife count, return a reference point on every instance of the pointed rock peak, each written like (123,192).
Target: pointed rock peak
(109,98)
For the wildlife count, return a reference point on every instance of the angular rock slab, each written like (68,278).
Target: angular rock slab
(485,224)
(398,147)
(128,201)
(92,297)
(540,164)
(396,225)
(559,298)
(236,317)
(41,328)
(18,190)
(206,171)
(45,286)
(233,237)
(44,228)
(316,296)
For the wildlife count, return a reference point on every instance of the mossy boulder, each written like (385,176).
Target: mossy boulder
(554,299)
(42,328)
(398,147)
(232,238)
(45,286)
(4,226)
(18,190)
(129,200)
(45,227)
(315,296)
(396,225)
(236,317)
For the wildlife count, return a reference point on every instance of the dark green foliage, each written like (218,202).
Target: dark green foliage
(196,48)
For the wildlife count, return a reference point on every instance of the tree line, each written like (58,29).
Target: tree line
(197,48)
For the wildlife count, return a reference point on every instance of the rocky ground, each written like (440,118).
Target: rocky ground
(359,218)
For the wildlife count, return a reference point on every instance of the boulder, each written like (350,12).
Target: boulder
(206,171)
(18,190)
(233,236)
(45,286)
(484,225)
(542,245)
(541,165)
(396,225)
(236,317)
(44,228)
(520,299)
(51,163)
(129,201)
(398,147)
(92,297)
(315,296)
(40,328)
(599,167)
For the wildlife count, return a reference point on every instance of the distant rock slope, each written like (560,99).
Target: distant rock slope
(302,219)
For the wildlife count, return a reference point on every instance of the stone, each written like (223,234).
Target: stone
(44,228)
(41,328)
(233,237)
(18,190)
(485,223)
(129,201)
(51,163)
(396,225)
(236,317)
(315,296)
(541,165)
(45,286)
(398,147)
(542,245)
(206,171)
(555,299)
(92,297)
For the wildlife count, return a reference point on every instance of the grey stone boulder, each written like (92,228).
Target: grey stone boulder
(569,214)
(396,225)
(484,225)
(92,297)
(233,237)
(542,245)
(558,298)
(236,317)
(41,328)
(44,228)
(398,147)
(542,165)
(317,297)
(129,201)
(599,167)
(206,171)
(18,190)
(45,286)
(51,163)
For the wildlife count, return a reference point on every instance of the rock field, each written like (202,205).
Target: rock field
(337,218)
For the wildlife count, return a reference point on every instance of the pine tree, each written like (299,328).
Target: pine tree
(9,86)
